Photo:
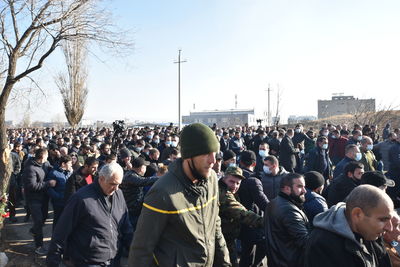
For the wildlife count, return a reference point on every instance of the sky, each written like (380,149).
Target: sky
(303,50)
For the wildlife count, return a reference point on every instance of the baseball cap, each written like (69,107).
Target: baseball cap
(139,161)
(235,171)
(248,157)
(229,154)
(376,178)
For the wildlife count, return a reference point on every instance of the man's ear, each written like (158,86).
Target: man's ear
(357,214)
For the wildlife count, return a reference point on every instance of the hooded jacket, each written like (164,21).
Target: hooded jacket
(179,224)
(332,243)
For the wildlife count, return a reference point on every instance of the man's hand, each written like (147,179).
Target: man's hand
(52,183)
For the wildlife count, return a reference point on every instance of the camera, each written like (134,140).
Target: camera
(119,126)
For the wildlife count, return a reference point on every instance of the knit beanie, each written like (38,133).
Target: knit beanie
(198,139)
(313,180)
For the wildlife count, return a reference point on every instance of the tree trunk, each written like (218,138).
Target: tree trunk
(5,161)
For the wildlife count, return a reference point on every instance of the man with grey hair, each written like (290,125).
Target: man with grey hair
(94,223)
(350,234)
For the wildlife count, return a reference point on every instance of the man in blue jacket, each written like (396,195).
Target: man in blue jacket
(94,223)
(60,174)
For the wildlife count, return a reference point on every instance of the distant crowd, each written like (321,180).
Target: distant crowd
(211,196)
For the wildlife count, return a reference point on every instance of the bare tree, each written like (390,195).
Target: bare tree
(72,85)
(30,31)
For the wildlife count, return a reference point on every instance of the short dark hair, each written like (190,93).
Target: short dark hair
(272,159)
(287,180)
(89,161)
(352,166)
(153,151)
(349,147)
(321,138)
(111,156)
(103,145)
(65,159)
(40,152)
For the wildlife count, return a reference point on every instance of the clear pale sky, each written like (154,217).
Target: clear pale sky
(310,48)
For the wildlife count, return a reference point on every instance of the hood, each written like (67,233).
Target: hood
(334,220)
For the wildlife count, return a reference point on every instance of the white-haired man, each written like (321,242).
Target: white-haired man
(93,222)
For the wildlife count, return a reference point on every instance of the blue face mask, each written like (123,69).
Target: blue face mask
(232,165)
(168,142)
(150,136)
(325,146)
(370,147)
(266,169)
(358,156)
(174,143)
(156,141)
(263,153)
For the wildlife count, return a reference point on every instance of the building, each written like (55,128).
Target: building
(223,118)
(293,119)
(340,105)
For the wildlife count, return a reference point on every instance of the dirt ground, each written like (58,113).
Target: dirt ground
(17,242)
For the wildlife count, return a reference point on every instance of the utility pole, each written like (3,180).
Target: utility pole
(236,101)
(269,106)
(179,89)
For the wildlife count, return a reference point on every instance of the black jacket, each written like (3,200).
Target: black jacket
(252,197)
(287,154)
(333,244)
(132,188)
(33,178)
(88,230)
(271,183)
(74,183)
(318,160)
(287,232)
(339,189)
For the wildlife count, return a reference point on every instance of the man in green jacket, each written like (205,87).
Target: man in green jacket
(179,224)
(232,213)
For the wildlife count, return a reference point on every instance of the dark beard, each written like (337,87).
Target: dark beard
(299,199)
(196,174)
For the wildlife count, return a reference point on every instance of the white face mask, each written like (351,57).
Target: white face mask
(370,147)
(174,143)
(325,146)
(263,153)
(266,169)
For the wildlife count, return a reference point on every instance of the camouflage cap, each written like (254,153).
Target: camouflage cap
(235,171)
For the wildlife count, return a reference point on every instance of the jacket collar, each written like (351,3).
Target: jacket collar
(290,199)
(176,168)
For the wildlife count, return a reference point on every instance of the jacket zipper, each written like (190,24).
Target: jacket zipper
(204,228)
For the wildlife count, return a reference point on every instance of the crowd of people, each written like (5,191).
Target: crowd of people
(211,196)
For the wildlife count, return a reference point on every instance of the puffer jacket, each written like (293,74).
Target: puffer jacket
(179,224)
(271,183)
(33,178)
(56,193)
(132,187)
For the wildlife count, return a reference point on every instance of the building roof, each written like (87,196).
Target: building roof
(223,112)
